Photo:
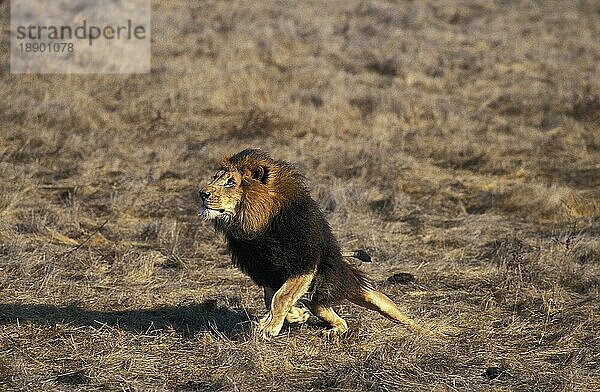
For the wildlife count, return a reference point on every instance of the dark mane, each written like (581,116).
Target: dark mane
(254,153)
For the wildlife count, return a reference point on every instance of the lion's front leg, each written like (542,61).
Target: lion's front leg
(282,302)
(268,294)
(296,315)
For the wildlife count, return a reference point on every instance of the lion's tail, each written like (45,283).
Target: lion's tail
(362,281)
(358,254)
(358,280)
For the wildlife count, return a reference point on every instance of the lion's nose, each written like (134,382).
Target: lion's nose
(204,195)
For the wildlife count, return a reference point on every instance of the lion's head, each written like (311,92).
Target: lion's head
(247,191)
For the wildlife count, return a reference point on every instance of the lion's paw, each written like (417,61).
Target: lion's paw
(297,316)
(334,333)
(268,328)
(264,321)
(270,331)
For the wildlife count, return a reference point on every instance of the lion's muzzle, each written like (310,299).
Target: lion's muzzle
(204,195)
(206,211)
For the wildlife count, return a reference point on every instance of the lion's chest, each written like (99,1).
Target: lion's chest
(271,261)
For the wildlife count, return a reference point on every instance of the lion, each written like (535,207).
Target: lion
(277,235)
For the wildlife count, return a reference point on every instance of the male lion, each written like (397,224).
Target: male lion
(277,235)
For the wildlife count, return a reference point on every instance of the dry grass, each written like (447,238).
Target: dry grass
(458,141)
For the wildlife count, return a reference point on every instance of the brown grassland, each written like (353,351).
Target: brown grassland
(458,142)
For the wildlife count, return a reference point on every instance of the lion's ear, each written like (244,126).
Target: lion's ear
(258,173)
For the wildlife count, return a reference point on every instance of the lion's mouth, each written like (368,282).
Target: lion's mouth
(208,212)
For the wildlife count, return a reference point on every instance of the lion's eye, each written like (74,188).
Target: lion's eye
(230,182)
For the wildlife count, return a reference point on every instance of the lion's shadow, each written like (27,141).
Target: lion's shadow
(186,320)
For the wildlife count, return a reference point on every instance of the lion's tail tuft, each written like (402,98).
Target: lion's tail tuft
(359,254)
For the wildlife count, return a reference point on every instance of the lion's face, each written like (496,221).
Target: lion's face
(247,192)
(222,196)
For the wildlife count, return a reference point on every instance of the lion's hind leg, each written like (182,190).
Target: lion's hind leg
(375,300)
(337,324)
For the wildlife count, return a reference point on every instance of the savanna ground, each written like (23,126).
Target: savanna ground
(459,142)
